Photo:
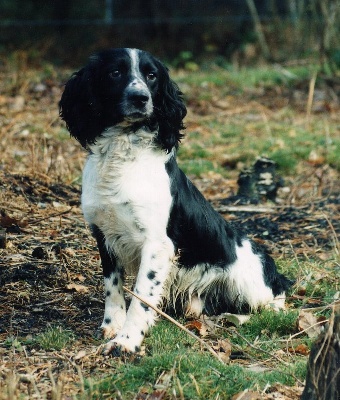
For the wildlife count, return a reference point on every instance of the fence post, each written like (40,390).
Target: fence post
(258,29)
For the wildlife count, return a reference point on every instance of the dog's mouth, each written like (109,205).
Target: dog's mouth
(135,116)
(137,112)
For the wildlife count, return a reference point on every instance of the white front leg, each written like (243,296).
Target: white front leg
(115,308)
(156,261)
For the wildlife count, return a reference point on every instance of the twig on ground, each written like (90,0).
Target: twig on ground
(163,314)
(336,240)
(45,303)
(256,208)
(304,330)
(33,222)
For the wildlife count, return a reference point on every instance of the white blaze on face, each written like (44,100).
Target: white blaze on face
(137,81)
(137,86)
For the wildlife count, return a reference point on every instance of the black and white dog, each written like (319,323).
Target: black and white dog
(146,215)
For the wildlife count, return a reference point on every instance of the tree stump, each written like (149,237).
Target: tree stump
(259,181)
(323,369)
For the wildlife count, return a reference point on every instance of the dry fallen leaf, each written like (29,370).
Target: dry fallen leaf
(199,327)
(282,392)
(80,277)
(301,291)
(308,323)
(77,288)
(236,319)
(57,204)
(300,349)
(80,354)
(69,252)
(246,395)
(223,350)
(7,222)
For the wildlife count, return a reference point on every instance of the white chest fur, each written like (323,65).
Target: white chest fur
(126,191)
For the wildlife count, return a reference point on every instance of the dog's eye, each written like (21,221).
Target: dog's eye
(151,76)
(115,74)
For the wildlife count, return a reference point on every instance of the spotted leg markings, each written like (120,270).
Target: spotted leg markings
(115,307)
(155,264)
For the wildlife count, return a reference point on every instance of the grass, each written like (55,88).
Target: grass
(241,79)
(181,368)
(54,338)
(270,324)
(176,364)
(286,142)
(257,127)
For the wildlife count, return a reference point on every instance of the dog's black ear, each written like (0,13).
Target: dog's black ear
(169,110)
(80,108)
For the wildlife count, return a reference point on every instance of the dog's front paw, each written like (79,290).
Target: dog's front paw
(112,324)
(108,331)
(122,345)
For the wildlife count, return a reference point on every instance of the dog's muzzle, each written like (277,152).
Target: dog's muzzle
(137,104)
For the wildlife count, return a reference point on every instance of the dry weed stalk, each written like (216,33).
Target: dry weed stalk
(310,98)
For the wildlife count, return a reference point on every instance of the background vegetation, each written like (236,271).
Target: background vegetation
(233,31)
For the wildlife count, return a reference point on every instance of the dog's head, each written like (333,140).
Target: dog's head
(123,86)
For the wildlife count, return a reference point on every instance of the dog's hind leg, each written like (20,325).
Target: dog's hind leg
(253,279)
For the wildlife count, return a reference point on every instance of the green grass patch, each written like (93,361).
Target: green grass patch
(54,338)
(177,365)
(245,78)
(270,324)
(244,140)
(285,136)
(199,166)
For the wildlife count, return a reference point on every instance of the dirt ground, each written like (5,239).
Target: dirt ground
(49,265)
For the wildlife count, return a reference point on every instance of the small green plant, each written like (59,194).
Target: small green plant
(55,338)
(14,343)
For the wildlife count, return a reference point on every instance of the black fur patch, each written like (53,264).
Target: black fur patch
(151,275)
(146,308)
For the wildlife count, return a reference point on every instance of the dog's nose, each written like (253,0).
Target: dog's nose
(139,100)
